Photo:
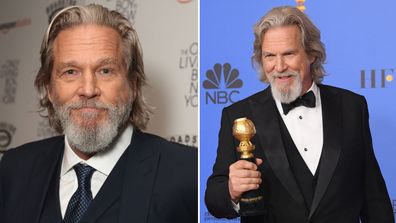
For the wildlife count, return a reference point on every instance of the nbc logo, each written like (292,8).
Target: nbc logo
(221,77)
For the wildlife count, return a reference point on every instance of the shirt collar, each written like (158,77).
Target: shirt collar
(103,162)
(315,89)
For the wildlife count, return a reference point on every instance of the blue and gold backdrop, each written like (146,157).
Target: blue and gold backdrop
(360,43)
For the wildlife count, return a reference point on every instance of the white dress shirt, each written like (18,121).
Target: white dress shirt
(102,162)
(306,129)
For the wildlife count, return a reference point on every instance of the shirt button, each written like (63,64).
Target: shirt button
(300,117)
(305,149)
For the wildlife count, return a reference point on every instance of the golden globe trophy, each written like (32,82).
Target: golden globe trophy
(251,203)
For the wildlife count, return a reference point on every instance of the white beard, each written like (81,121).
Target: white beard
(88,139)
(285,93)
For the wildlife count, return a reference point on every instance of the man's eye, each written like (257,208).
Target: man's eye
(106,71)
(268,56)
(70,72)
(289,54)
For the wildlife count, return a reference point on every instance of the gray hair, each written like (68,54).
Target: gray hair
(310,38)
(132,57)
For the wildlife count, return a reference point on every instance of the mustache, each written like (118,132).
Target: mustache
(87,104)
(283,74)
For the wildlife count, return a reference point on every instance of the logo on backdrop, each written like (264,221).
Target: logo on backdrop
(186,139)
(5,27)
(376,78)
(44,130)
(189,61)
(8,75)
(221,84)
(55,7)
(300,5)
(6,133)
(127,8)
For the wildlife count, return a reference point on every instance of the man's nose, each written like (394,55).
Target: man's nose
(89,86)
(281,66)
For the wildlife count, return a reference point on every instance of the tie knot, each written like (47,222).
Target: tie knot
(307,100)
(84,174)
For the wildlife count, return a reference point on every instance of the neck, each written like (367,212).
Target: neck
(82,155)
(306,87)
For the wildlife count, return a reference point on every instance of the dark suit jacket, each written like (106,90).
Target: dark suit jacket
(157,182)
(350,185)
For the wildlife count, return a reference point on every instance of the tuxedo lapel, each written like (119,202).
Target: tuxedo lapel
(331,110)
(43,175)
(140,174)
(268,132)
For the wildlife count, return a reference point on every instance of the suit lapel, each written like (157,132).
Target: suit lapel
(331,108)
(51,211)
(43,174)
(268,132)
(140,174)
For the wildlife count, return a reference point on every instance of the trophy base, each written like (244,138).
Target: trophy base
(251,204)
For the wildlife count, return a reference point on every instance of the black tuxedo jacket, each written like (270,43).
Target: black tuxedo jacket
(154,181)
(349,187)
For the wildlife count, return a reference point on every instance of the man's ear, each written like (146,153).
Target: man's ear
(133,86)
(48,89)
(311,59)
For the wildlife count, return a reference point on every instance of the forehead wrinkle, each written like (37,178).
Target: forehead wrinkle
(76,44)
(99,62)
(71,42)
(109,60)
(286,37)
(80,37)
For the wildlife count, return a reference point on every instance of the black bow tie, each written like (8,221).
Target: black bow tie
(307,100)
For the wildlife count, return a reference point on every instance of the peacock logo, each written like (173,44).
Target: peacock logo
(222,76)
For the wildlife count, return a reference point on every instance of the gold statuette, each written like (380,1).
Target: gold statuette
(244,130)
(252,202)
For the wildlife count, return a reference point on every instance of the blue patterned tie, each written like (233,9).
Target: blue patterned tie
(81,199)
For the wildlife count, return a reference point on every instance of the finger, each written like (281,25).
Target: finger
(242,181)
(235,194)
(259,161)
(240,189)
(236,190)
(242,173)
(243,164)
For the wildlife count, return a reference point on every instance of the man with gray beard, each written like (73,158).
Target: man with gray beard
(104,168)
(314,156)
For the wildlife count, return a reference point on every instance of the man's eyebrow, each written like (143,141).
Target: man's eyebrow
(61,66)
(105,61)
(73,63)
(291,50)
